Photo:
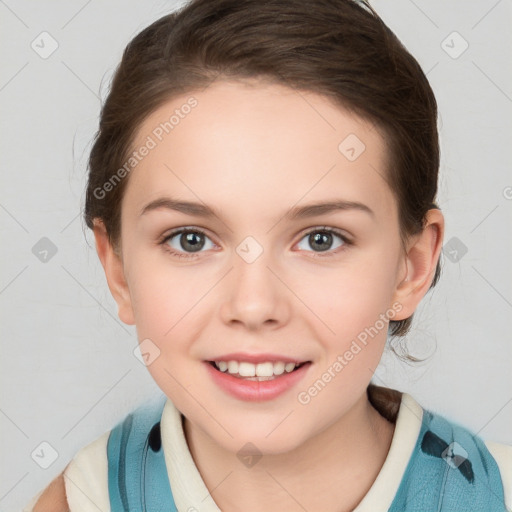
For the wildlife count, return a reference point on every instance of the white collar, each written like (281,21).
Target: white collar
(190,491)
(407,429)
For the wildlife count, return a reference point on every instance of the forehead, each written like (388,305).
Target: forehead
(256,145)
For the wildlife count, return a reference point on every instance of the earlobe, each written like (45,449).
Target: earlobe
(114,272)
(420,264)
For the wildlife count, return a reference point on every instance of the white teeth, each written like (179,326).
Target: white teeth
(245,369)
(232,366)
(288,367)
(265,369)
(278,368)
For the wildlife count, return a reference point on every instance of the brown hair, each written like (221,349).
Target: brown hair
(338,48)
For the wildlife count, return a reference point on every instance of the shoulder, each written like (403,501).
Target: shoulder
(82,486)
(53,498)
(86,477)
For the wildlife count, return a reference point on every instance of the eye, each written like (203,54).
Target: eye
(321,240)
(184,242)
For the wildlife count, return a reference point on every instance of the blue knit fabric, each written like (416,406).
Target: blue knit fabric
(450,469)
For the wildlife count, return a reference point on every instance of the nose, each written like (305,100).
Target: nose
(255,295)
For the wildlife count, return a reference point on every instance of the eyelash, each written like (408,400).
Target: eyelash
(324,229)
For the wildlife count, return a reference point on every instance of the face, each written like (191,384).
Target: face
(262,275)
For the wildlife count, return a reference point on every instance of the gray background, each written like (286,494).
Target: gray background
(68,372)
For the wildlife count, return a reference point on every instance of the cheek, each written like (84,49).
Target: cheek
(354,297)
(169,305)
(166,305)
(161,293)
(357,310)
(155,306)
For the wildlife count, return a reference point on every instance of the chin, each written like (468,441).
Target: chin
(259,440)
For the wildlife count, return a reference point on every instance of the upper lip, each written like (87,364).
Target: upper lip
(258,358)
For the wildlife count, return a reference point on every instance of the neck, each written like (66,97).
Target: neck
(331,471)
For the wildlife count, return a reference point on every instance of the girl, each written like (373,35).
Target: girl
(262,192)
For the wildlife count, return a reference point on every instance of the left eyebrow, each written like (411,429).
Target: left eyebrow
(299,212)
(323,208)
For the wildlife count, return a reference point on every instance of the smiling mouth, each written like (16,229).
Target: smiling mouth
(269,372)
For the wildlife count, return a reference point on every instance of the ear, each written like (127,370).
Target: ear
(114,272)
(420,264)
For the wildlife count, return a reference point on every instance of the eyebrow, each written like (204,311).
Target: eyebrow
(296,213)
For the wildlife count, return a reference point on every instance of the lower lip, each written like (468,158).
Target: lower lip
(253,390)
